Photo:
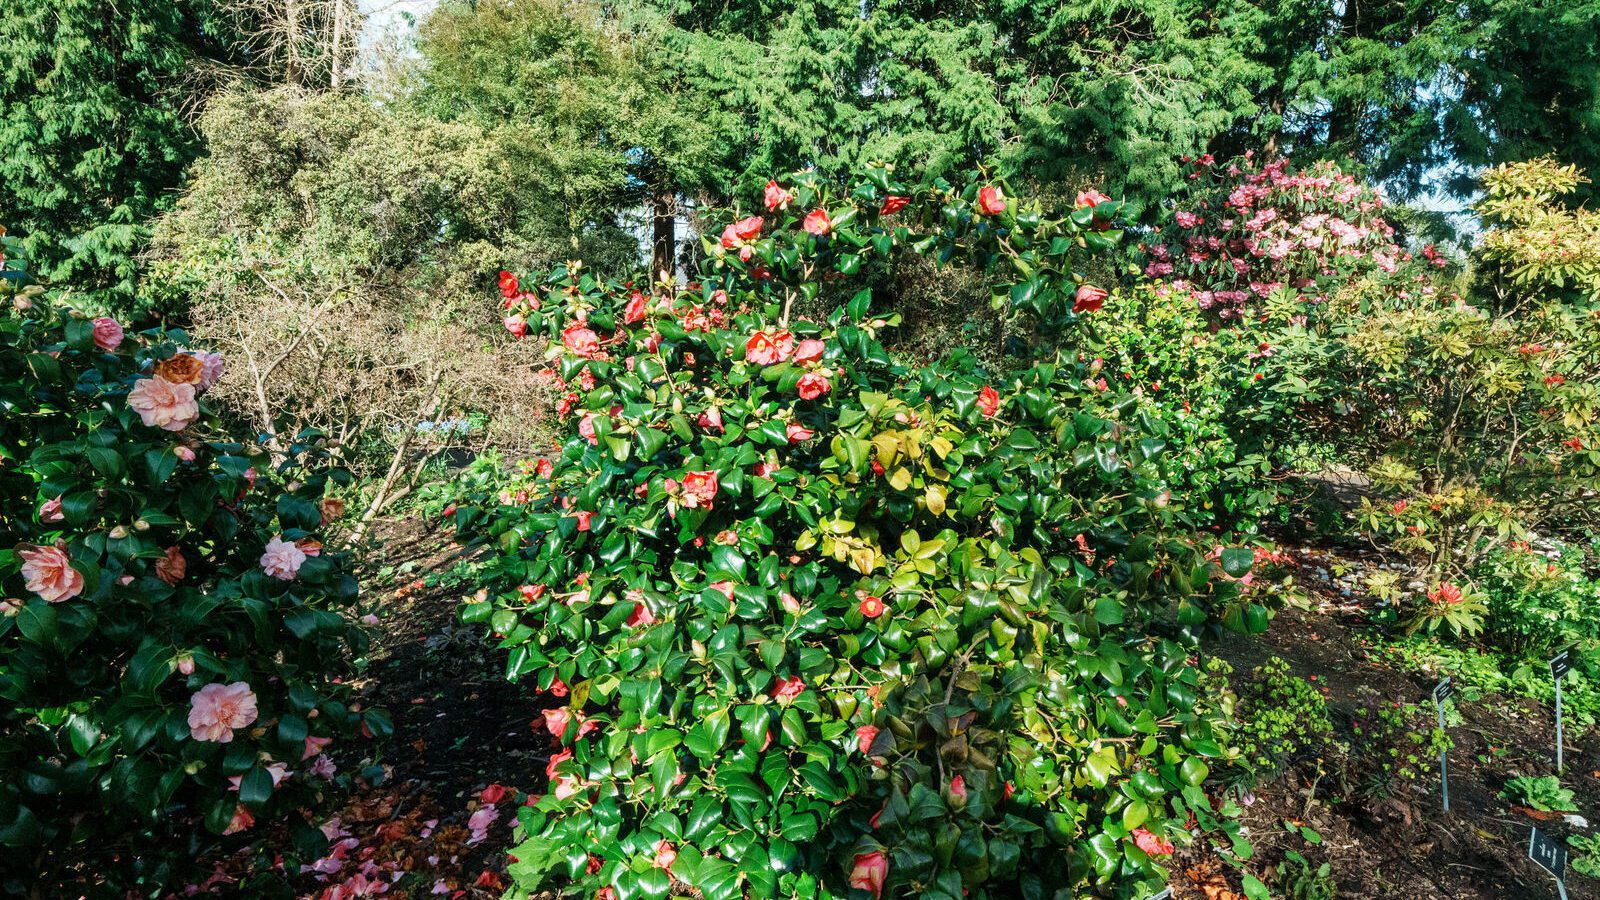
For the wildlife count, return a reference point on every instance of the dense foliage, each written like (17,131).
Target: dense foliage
(171,630)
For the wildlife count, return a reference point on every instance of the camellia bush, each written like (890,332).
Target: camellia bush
(170,627)
(827,625)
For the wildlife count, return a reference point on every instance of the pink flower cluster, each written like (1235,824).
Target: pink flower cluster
(1245,230)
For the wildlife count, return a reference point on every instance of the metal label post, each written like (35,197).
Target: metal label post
(1560,665)
(1442,692)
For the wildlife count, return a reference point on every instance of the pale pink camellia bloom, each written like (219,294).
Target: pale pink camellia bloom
(989,401)
(710,419)
(556,720)
(210,367)
(586,429)
(479,823)
(50,511)
(865,735)
(314,746)
(162,404)
(799,434)
(323,767)
(1151,843)
(107,333)
(869,872)
(242,819)
(666,855)
(282,560)
(184,662)
(216,710)
(810,349)
(48,572)
(991,202)
(279,771)
(10,606)
(765,348)
(811,386)
(817,222)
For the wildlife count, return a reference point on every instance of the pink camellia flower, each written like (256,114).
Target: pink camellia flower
(812,385)
(241,820)
(799,434)
(107,333)
(666,855)
(725,588)
(872,607)
(583,518)
(809,350)
(1089,299)
(893,204)
(50,511)
(48,572)
(776,198)
(765,348)
(282,559)
(989,401)
(865,735)
(641,616)
(586,429)
(171,567)
(279,771)
(787,689)
(635,310)
(869,872)
(580,339)
(1090,198)
(699,489)
(314,745)
(162,404)
(216,710)
(991,202)
(710,419)
(742,232)
(958,789)
(508,285)
(817,222)
(517,325)
(556,720)
(211,365)
(1151,843)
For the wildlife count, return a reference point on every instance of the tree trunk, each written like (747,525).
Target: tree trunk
(664,233)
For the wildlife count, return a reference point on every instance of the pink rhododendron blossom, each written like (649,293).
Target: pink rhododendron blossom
(282,560)
(48,572)
(107,333)
(162,404)
(217,710)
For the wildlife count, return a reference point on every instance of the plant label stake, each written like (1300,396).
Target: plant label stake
(1560,665)
(1442,692)
(1166,894)
(1551,856)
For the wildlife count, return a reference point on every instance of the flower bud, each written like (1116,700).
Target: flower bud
(184,662)
(119,533)
(141,525)
(21,304)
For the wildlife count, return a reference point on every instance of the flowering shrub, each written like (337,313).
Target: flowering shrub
(1246,231)
(830,626)
(168,622)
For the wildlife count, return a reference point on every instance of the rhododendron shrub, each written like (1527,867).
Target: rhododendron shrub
(166,676)
(1245,231)
(826,625)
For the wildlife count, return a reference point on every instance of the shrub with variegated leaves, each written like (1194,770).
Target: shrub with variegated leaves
(827,625)
(171,628)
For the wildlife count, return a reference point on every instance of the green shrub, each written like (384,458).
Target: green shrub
(1282,720)
(826,622)
(1543,793)
(170,626)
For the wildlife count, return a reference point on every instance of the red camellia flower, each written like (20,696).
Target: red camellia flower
(989,401)
(799,433)
(580,339)
(1089,299)
(776,197)
(508,285)
(586,429)
(742,232)
(1153,844)
(865,735)
(494,793)
(811,386)
(869,872)
(872,607)
(893,204)
(583,520)
(641,615)
(516,324)
(543,468)
(809,350)
(710,419)
(766,348)
(817,222)
(991,202)
(635,308)
(699,489)
(788,688)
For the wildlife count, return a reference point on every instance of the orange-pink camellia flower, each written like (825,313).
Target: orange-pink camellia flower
(556,720)
(699,489)
(869,872)
(217,710)
(766,348)
(741,232)
(865,735)
(989,401)
(811,386)
(776,198)
(666,855)
(991,202)
(788,688)
(171,567)
(809,350)
(1151,843)
(1089,299)
(798,434)
(282,559)
(817,222)
(107,333)
(641,615)
(48,572)
(162,404)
